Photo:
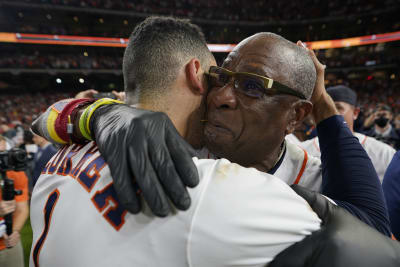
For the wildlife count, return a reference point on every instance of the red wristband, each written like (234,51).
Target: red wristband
(62,119)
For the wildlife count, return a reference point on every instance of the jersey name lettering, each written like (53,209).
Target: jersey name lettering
(105,200)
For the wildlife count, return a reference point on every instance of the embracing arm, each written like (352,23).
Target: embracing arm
(348,175)
(146,155)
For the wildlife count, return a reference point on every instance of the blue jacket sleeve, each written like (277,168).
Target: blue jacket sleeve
(348,176)
(391,189)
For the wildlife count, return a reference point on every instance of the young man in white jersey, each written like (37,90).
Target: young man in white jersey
(346,103)
(77,219)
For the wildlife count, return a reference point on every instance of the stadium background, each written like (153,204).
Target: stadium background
(40,62)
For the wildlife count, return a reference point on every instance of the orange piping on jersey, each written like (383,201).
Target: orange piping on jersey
(107,204)
(394,238)
(363,141)
(316,145)
(302,168)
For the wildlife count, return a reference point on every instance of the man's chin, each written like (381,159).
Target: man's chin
(218,147)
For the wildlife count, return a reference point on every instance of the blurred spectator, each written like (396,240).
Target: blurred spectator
(7,132)
(346,103)
(396,122)
(11,253)
(31,149)
(45,152)
(378,125)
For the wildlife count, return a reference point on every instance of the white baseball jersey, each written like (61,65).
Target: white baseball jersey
(297,167)
(238,217)
(380,153)
(292,139)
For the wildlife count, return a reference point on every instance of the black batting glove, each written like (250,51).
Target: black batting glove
(145,154)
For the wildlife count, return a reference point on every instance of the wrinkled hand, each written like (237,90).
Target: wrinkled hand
(11,240)
(6,207)
(144,151)
(343,240)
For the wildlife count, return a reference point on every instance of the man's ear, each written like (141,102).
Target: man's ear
(300,110)
(194,76)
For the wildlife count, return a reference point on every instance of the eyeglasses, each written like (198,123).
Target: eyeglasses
(250,84)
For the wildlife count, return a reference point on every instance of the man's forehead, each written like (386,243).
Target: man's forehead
(255,62)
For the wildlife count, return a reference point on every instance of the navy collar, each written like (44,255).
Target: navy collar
(278,164)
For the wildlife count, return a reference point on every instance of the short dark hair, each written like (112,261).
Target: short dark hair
(158,47)
(383,107)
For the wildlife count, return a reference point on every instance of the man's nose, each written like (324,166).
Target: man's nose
(223,97)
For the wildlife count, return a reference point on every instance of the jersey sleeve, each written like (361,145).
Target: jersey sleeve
(348,176)
(245,216)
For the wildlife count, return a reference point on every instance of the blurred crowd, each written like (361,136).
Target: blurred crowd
(235,10)
(309,20)
(351,58)
(357,57)
(60,61)
(18,111)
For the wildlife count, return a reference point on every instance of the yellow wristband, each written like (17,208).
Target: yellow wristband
(51,121)
(82,128)
(84,120)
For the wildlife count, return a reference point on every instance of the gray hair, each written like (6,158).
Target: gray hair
(295,64)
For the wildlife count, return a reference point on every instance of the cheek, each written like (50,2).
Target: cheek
(265,118)
(210,97)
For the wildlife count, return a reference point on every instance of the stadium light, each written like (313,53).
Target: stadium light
(58,80)
(81,80)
